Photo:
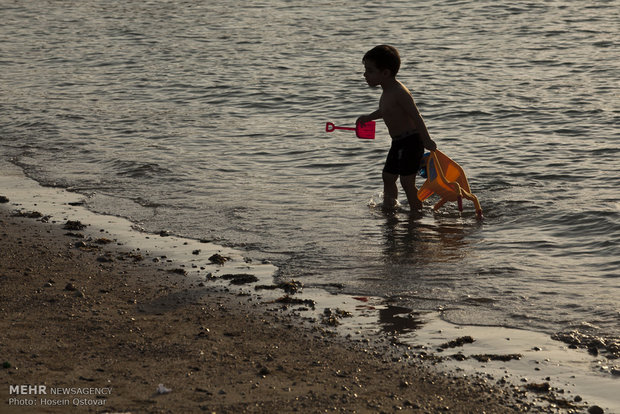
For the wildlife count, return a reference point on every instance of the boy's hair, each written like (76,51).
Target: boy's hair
(384,57)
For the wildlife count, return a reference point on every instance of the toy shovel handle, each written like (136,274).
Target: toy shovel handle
(329,127)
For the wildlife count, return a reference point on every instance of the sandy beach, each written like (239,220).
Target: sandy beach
(98,316)
(90,326)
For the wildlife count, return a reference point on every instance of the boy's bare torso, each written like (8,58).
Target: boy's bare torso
(393,106)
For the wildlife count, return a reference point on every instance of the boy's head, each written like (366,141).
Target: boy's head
(384,57)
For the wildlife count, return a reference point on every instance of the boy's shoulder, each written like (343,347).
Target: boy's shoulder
(398,89)
(403,88)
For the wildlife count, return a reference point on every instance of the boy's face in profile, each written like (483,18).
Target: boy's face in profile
(374,76)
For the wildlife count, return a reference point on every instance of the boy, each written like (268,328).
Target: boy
(404,123)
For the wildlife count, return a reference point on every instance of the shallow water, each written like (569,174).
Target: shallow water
(208,121)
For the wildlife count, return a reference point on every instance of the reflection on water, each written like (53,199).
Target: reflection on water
(399,320)
(410,240)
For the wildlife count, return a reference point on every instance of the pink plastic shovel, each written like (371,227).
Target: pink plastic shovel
(365,131)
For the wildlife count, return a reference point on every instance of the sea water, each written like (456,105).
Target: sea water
(207,119)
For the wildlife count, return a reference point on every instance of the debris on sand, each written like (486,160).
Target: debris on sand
(332,317)
(76,235)
(496,357)
(136,257)
(291,287)
(541,388)
(161,389)
(27,214)
(592,343)
(74,225)
(218,259)
(240,278)
(287,300)
(457,342)
(86,246)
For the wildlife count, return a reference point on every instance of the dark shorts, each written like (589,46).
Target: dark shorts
(404,156)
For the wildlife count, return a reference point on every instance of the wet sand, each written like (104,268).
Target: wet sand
(98,319)
(95,318)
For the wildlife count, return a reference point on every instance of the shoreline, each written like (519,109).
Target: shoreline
(72,321)
(212,344)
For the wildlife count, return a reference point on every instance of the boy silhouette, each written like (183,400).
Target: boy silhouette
(403,121)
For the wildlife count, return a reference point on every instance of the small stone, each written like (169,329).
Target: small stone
(595,409)
(408,403)
(161,389)
(70,286)
(541,388)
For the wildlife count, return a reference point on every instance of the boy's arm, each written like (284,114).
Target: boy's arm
(406,101)
(370,117)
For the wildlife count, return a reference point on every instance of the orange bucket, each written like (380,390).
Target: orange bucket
(448,180)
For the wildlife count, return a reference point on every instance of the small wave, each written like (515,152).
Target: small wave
(479,301)
(135,169)
(588,222)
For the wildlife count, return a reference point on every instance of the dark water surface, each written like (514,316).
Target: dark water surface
(208,120)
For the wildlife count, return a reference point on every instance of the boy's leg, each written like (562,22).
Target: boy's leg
(408,183)
(390,190)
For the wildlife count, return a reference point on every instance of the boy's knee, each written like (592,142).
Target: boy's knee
(407,179)
(389,178)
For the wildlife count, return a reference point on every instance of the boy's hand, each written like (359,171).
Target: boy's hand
(363,119)
(430,145)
